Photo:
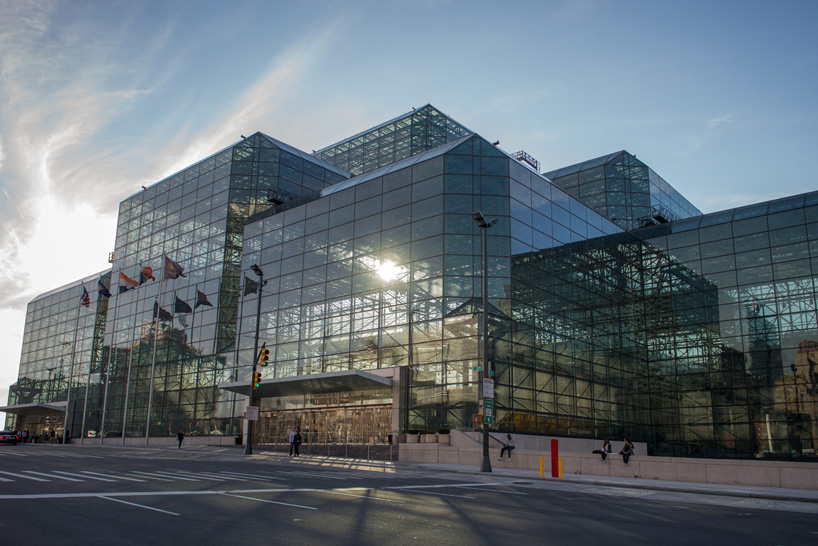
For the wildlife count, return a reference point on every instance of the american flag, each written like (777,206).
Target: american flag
(85,299)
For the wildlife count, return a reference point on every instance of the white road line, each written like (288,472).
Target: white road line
(269,501)
(175,476)
(199,475)
(5,480)
(53,476)
(438,494)
(83,476)
(318,475)
(151,476)
(114,476)
(120,494)
(503,491)
(139,505)
(368,497)
(24,476)
(249,476)
(222,476)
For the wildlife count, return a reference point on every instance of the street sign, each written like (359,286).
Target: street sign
(478,368)
(488,388)
(251,413)
(488,411)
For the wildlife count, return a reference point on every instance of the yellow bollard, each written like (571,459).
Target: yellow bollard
(560,468)
(542,472)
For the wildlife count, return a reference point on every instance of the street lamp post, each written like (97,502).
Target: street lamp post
(484,224)
(248,448)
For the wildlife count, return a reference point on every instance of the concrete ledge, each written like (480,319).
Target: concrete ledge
(466,450)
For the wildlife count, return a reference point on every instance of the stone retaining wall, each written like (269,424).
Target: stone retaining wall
(466,450)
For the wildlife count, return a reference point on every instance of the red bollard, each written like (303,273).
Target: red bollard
(555,459)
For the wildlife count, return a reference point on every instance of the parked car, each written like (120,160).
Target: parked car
(9,437)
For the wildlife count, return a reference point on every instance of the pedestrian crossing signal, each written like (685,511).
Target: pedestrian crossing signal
(265,354)
(256,380)
(478,419)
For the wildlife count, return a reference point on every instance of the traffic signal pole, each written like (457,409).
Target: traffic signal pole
(251,400)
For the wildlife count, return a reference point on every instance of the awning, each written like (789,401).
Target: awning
(33,409)
(348,380)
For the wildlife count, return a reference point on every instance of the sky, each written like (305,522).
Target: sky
(98,98)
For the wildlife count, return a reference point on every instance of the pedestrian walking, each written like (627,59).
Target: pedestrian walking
(626,451)
(181,437)
(297,442)
(605,451)
(508,445)
(293,434)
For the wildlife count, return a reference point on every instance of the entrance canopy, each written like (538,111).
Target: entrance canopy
(319,383)
(26,410)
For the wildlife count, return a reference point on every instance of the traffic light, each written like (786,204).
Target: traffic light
(478,419)
(265,354)
(256,380)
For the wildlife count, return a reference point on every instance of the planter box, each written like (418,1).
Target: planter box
(429,438)
(412,438)
(443,438)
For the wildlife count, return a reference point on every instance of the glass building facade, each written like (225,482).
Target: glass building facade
(614,307)
(624,189)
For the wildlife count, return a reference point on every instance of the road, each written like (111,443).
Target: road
(96,495)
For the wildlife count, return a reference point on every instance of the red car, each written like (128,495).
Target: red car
(9,437)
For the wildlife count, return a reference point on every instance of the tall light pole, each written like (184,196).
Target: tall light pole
(248,448)
(484,224)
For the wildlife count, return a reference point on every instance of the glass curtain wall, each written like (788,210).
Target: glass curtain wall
(172,339)
(62,351)
(623,189)
(408,135)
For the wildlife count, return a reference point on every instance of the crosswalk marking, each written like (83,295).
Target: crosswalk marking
(176,476)
(52,476)
(253,476)
(150,476)
(24,476)
(83,476)
(114,477)
(197,475)
(31,452)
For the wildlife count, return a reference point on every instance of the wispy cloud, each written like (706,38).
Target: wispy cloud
(265,103)
(719,122)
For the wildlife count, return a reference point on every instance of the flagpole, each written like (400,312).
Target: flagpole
(238,342)
(71,368)
(128,379)
(88,380)
(218,316)
(193,318)
(108,368)
(153,358)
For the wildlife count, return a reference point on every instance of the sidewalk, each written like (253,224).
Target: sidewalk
(770,493)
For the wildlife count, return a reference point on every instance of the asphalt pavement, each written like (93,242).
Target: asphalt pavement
(769,493)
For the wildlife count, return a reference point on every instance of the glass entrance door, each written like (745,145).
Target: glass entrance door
(361,425)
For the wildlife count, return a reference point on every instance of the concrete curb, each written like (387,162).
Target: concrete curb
(793,495)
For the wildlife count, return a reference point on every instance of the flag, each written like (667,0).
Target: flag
(173,270)
(250,286)
(163,314)
(146,275)
(201,299)
(181,306)
(101,290)
(85,299)
(126,283)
